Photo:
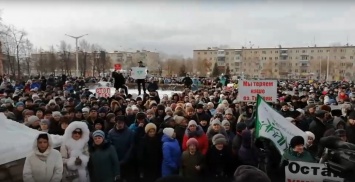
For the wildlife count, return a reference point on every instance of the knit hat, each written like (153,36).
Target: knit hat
(98,133)
(296,140)
(224,122)
(45,121)
(310,134)
(32,119)
(352,115)
(169,132)
(150,126)
(18,104)
(216,121)
(56,113)
(246,173)
(109,116)
(192,122)
(191,141)
(85,109)
(219,139)
(140,116)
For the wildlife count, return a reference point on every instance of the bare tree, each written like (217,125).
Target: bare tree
(84,57)
(8,47)
(65,53)
(18,38)
(27,49)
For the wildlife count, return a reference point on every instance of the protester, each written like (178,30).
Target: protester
(44,163)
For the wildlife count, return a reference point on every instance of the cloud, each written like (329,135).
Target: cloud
(180,27)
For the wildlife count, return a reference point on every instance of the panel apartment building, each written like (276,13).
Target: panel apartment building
(281,62)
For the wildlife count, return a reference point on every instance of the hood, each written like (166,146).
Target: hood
(50,142)
(74,125)
(337,120)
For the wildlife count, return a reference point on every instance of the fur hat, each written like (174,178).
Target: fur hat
(246,173)
(45,121)
(98,133)
(169,132)
(150,126)
(56,113)
(310,134)
(32,119)
(219,139)
(168,109)
(296,140)
(178,119)
(228,111)
(192,141)
(191,122)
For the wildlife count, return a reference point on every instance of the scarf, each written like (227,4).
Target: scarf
(43,156)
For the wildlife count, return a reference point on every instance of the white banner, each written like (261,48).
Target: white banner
(272,125)
(304,171)
(139,72)
(249,89)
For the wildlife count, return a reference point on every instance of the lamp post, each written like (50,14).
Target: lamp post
(76,50)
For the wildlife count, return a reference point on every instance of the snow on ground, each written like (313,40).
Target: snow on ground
(134,92)
(18,140)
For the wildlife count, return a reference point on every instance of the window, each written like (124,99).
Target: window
(297,51)
(263,52)
(276,51)
(275,64)
(255,52)
(205,52)
(290,64)
(236,64)
(296,64)
(237,57)
(303,51)
(211,53)
(296,57)
(342,57)
(304,57)
(312,51)
(290,51)
(328,50)
(227,53)
(290,57)
(311,57)
(198,53)
(210,58)
(351,57)
(276,58)
(270,58)
(296,70)
(275,70)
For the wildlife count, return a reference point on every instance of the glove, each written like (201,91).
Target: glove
(78,161)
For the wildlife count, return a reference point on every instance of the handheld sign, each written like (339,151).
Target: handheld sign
(118,67)
(103,92)
(305,171)
(139,72)
(249,89)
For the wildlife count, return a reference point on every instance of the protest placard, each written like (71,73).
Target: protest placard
(139,72)
(249,89)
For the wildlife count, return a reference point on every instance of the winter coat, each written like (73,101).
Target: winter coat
(171,156)
(291,155)
(318,128)
(123,141)
(200,136)
(180,133)
(188,163)
(219,162)
(103,164)
(231,136)
(43,167)
(72,149)
(150,156)
(248,153)
(350,133)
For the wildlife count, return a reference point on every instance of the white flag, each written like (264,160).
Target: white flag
(272,125)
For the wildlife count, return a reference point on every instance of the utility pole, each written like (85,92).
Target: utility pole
(76,51)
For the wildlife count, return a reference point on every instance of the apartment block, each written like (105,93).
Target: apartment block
(280,62)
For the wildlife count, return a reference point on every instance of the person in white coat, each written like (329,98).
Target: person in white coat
(74,149)
(45,163)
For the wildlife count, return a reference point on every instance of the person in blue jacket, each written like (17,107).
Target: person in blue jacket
(171,153)
(35,84)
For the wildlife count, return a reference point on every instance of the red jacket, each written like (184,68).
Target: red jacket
(200,136)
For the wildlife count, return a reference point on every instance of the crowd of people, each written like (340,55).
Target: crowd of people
(202,135)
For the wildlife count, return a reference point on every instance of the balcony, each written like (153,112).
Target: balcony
(237,59)
(238,52)
(221,53)
(283,52)
(304,64)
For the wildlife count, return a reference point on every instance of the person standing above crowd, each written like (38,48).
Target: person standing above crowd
(141,82)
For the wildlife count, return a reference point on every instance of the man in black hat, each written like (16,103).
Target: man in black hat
(317,126)
(141,81)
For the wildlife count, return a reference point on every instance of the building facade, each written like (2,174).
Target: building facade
(280,63)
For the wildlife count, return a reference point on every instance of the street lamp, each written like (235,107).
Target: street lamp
(76,51)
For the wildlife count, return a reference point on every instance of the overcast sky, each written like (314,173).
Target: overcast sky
(180,27)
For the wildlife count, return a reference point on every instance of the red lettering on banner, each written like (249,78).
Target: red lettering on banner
(247,84)
(257,91)
(263,84)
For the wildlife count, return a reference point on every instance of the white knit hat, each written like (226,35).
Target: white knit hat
(169,132)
